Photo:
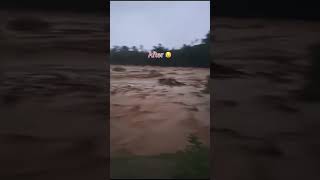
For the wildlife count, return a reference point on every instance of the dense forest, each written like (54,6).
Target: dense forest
(187,56)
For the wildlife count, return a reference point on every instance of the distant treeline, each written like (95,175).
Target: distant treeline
(187,56)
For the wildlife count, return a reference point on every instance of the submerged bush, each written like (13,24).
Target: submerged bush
(170,82)
(193,162)
(119,69)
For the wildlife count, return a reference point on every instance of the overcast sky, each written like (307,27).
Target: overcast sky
(148,23)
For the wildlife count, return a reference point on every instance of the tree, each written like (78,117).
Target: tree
(159,48)
(124,48)
(115,49)
(134,48)
(206,40)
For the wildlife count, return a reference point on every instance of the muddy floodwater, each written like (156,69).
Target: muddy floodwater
(154,109)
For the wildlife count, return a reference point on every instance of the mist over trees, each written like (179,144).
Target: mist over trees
(187,56)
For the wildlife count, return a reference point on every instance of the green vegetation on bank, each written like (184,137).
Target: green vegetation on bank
(191,163)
